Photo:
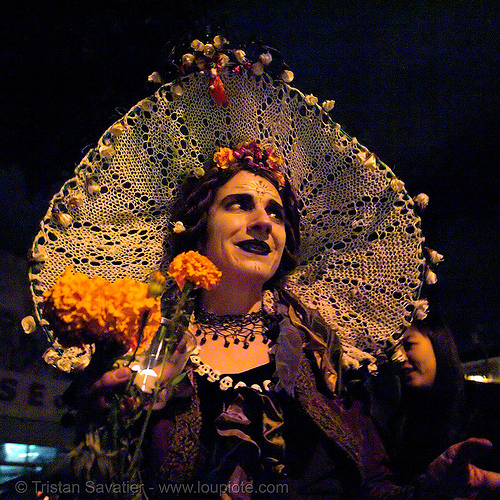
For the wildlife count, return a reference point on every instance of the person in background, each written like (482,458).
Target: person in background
(435,409)
(430,416)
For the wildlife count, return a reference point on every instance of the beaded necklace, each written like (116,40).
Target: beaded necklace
(238,327)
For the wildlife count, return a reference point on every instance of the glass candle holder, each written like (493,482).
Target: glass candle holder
(159,367)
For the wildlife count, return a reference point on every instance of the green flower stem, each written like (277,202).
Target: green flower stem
(177,318)
(144,320)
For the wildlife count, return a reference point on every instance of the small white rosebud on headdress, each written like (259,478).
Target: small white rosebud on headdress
(368,160)
(177,90)
(106,151)
(240,56)
(76,200)
(208,50)
(311,99)
(219,42)
(397,185)
(39,255)
(328,105)
(222,61)
(434,257)
(197,45)
(179,227)
(155,77)
(421,308)
(146,105)
(421,200)
(199,171)
(188,60)
(117,129)
(257,69)
(371,162)
(266,58)
(29,324)
(430,276)
(61,218)
(287,76)
(362,156)
(92,186)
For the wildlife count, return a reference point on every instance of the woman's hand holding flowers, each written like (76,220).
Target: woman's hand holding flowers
(110,380)
(120,319)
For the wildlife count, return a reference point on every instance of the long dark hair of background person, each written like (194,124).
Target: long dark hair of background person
(429,420)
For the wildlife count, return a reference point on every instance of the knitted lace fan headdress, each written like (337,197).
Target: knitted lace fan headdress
(360,264)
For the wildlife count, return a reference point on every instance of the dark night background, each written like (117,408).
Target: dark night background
(416,82)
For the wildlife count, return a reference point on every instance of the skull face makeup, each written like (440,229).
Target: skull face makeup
(246,229)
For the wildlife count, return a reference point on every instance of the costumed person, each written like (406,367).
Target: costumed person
(260,412)
(433,388)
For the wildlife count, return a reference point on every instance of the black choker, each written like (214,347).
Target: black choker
(239,327)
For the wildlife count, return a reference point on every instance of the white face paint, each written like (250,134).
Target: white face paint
(246,229)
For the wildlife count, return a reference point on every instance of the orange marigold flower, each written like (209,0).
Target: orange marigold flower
(275,158)
(87,310)
(224,157)
(196,268)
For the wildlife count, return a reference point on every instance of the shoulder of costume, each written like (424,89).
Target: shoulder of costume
(310,318)
(317,333)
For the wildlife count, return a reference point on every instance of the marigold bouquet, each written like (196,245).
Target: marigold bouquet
(122,323)
(124,314)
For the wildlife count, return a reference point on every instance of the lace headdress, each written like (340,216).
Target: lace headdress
(361,263)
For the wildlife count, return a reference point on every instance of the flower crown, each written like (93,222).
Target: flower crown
(253,155)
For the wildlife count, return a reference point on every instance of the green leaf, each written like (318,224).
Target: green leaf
(178,379)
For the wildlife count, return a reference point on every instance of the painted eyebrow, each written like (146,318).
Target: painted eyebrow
(274,205)
(247,198)
(239,197)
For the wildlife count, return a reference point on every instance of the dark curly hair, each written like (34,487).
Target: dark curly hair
(196,198)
